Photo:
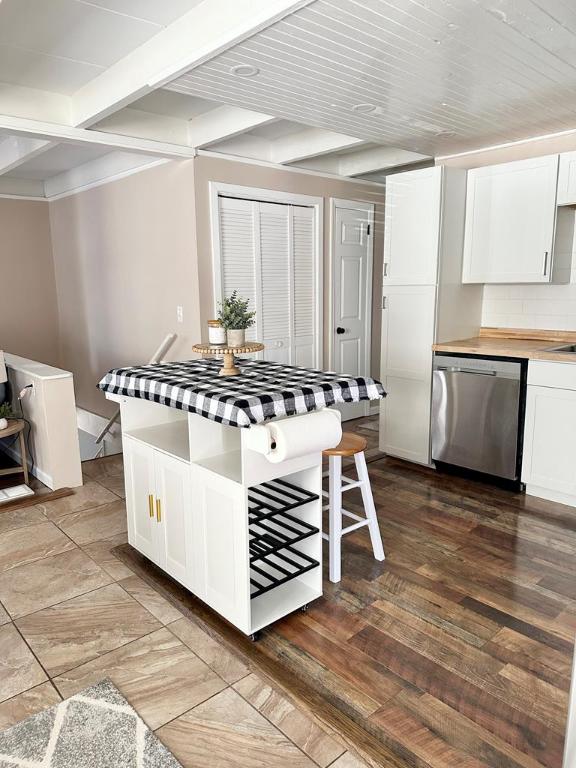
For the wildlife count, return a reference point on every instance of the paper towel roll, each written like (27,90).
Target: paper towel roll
(301,435)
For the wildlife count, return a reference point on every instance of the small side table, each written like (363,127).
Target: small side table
(16,427)
(228,369)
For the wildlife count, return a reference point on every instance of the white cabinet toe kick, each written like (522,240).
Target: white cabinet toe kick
(240,532)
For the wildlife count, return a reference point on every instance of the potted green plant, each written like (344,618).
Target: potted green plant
(5,414)
(235,318)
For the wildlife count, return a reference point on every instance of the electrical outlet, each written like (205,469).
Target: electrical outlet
(179,314)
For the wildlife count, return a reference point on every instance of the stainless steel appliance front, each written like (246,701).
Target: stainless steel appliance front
(476,414)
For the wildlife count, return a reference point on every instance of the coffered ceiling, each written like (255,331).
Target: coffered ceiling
(350,87)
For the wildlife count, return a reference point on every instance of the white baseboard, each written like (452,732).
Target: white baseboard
(551,495)
(14,453)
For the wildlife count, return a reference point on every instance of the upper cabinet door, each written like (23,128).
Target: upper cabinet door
(510,214)
(412,227)
(567,179)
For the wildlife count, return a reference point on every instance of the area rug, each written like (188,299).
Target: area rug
(96,728)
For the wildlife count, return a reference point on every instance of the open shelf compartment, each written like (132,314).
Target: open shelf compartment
(273,531)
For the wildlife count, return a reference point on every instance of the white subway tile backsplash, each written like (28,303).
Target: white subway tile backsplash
(548,307)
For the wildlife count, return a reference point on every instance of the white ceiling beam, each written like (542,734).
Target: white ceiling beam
(377,159)
(223,123)
(26,188)
(146,125)
(115,165)
(15,150)
(18,101)
(312,142)
(33,104)
(205,31)
(35,129)
(246,146)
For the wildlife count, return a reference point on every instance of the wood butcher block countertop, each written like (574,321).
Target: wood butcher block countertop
(513,342)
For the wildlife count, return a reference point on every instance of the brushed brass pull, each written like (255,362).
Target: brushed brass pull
(151,504)
(158,511)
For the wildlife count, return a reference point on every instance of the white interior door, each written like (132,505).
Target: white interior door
(352,291)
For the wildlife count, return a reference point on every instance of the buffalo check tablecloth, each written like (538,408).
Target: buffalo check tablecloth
(263,390)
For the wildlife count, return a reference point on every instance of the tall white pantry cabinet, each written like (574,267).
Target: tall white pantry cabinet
(423,299)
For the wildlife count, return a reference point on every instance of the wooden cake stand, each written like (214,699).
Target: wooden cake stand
(228,369)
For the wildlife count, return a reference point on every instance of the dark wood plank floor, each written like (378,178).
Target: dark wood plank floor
(456,651)
(458,648)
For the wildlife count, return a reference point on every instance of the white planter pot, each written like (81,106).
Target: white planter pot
(3,424)
(236,337)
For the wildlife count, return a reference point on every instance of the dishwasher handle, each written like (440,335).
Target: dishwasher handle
(475,371)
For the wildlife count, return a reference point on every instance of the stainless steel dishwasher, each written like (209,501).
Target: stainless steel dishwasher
(478,413)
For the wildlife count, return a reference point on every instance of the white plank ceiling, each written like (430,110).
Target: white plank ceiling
(441,75)
(59,45)
(348,87)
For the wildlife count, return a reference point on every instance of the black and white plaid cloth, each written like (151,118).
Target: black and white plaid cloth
(262,391)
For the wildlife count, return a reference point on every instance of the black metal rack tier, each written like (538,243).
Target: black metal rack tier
(274,531)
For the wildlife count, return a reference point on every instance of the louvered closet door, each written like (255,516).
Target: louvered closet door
(238,250)
(274,285)
(267,254)
(304,287)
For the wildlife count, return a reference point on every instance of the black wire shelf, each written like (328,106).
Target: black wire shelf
(274,531)
(279,568)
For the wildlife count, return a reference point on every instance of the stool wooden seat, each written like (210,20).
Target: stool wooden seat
(350,445)
(16,427)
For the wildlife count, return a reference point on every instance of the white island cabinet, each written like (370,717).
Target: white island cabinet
(549,461)
(242,533)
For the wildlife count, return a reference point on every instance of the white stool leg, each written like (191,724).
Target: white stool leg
(369,507)
(335,513)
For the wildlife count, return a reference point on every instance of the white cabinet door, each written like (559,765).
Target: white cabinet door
(412,227)
(140,498)
(550,439)
(510,214)
(174,517)
(567,179)
(405,419)
(408,321)
(221,552)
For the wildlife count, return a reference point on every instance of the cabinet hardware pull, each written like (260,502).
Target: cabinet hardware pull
(158,511)
(151,504)
(545,262)
(383,302)
(385,269)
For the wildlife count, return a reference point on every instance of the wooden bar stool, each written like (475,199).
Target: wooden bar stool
(350,445)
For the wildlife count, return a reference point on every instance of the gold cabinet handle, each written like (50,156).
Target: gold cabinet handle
(151,504)
(158,511)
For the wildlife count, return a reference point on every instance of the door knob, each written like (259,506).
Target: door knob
(340,330)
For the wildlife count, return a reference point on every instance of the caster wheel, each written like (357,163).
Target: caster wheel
(304,608)
(255,637)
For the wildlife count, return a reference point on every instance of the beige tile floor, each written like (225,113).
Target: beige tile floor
(72,614)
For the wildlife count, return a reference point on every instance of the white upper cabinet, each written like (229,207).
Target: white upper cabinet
(567,179)
(510,216)
(412,227)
